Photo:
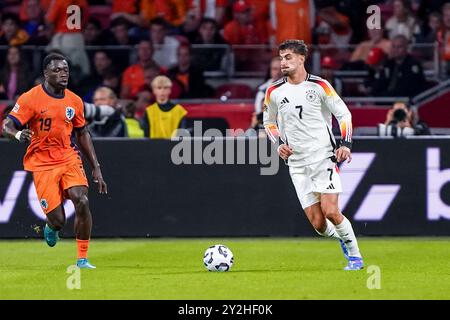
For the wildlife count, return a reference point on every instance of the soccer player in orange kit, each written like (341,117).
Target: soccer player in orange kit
(52,112)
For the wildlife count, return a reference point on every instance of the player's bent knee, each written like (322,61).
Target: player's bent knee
(56,218)
(329,209)
(82,202)
(318,224)
(334,216)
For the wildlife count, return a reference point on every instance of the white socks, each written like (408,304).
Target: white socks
(330,231)
(345,231)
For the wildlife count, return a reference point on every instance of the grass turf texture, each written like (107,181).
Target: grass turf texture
(275,269)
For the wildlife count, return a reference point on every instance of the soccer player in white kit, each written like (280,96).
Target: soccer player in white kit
(298,110)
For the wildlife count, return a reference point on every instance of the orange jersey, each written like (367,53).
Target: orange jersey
(292,19)
(133,78)
(58,15)
(129,6)
(173,11)
(261,17)
(51,119)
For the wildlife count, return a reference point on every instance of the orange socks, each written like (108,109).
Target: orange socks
(83,246)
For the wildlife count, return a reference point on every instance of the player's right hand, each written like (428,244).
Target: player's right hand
(284,151)
(25,136)
(98,178)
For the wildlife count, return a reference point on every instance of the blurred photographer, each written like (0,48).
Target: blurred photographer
(97,114)
(402,121)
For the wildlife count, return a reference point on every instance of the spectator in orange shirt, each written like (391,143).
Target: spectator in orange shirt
(133,77)
(292,19)
(69,41)
(241,29)
(151,71)
(261,18)
(130,10)
(189,76)
(173,11)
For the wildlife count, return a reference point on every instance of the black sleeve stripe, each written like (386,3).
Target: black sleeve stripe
(331,139)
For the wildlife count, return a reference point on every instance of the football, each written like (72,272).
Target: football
(218,258)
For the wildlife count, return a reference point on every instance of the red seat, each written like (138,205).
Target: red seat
(2,109)
(12,9)
(102,13)
(234,91)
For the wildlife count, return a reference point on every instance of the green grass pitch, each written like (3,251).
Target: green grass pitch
(265,268)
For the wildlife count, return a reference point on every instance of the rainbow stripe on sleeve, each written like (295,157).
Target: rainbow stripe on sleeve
(272,132)
(346,131)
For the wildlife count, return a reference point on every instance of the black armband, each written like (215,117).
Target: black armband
(347,144)
(79,129)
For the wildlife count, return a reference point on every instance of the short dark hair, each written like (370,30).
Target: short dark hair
(297,46)
(120,21)
(94,21)
(160,22)
(50,57)
(209,20)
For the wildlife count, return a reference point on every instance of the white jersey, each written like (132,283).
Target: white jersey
(302,114)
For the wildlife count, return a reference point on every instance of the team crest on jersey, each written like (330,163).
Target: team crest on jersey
(264,108)
(16,108)
(44,204)
(70,113)
(312,96)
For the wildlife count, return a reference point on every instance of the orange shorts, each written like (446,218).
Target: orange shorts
(52,184)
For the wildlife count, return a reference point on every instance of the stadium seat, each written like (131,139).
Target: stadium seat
(12,9)
(234,91)
(2,109)
(386,10)
(2,115)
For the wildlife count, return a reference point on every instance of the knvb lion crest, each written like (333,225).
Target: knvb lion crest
(70,113)
(44,204)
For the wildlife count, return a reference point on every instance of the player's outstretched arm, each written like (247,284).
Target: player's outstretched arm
(85,142)
(10,131)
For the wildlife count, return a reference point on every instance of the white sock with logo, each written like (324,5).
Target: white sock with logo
(330,231)
(345,231)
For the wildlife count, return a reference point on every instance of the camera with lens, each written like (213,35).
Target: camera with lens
(398,127)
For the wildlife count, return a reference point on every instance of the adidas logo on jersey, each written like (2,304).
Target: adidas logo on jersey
(285,100)
(330,187)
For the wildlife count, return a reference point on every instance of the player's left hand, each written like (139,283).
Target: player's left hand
(343,153)
(98,178)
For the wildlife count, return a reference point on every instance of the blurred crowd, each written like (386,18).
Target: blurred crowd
(124,46)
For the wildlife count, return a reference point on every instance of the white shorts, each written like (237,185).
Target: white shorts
(312,180)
